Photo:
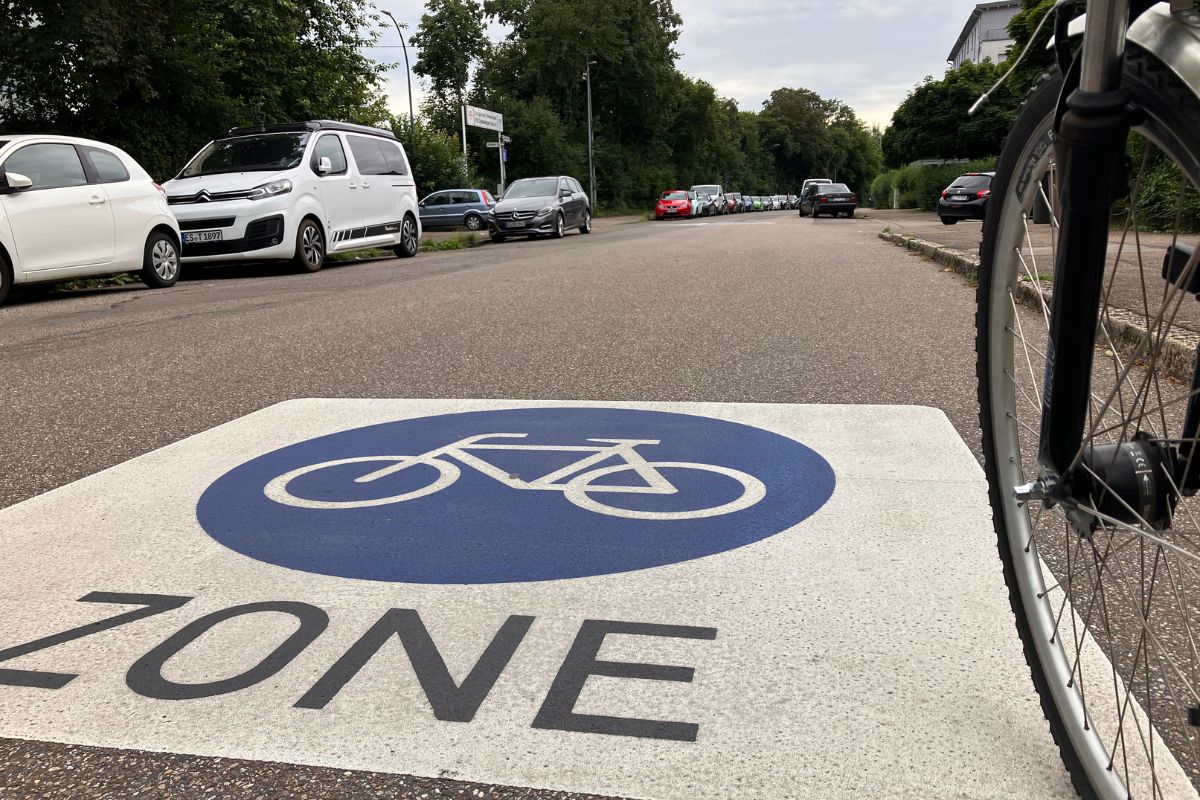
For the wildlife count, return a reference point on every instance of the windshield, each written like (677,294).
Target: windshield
(532,187)
(973,181)
(710,189)
(268,152)
(674,196)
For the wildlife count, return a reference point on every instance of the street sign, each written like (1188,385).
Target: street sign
(482,118)
(628,599)
(504,153)
(506,139)
(493,144)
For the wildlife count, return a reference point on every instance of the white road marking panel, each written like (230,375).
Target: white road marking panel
(636,599)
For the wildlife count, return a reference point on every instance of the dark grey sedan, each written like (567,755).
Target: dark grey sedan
(541,207)
(451,208)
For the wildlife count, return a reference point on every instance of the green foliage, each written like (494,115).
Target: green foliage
(159,78)
(450,37)
(921,185)
(1166,199)
(435,156)
(654,127)
(459,241)
(932,122)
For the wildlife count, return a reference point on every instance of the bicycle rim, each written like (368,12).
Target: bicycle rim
(1111,620)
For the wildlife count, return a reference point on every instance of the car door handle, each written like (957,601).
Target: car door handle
(354,186)
(97,201)
(366,185)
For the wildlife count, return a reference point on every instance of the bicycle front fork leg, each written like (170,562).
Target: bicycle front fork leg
(1093,172)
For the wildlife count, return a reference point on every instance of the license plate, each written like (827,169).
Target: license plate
(672,211)
(958,197)
(515,225)
(195,237)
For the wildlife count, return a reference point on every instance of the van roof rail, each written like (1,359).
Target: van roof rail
(310,125)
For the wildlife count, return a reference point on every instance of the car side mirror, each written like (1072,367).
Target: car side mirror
(15,182)
(324,165)
(421,204)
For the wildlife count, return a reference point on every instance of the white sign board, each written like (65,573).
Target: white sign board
(482,118)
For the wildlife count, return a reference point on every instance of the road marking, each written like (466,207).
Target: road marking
(539,603)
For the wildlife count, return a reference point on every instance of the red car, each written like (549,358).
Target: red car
(673,203)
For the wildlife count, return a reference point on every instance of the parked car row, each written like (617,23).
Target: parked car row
(708,200)
(72,208)
(546,206)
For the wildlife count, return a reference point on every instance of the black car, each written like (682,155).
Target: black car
(966,197)
(541,207)
(828,198)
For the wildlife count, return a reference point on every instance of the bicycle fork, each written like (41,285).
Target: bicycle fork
(1129,481)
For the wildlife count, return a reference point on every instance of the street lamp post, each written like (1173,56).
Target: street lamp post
(591,166)
(407,70)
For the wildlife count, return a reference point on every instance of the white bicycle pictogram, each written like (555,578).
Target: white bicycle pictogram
(576,481)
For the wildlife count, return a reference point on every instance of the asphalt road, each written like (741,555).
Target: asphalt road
(754,308)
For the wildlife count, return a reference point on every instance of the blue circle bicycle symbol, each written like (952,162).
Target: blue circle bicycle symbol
(516,495)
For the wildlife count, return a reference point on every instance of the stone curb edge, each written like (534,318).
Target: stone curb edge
(1123,329)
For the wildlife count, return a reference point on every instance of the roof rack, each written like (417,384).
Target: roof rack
(310,125)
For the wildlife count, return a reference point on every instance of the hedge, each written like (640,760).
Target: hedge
(921,185)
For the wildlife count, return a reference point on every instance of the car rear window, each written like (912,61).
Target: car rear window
(674,196)
(835,188)
(973,181)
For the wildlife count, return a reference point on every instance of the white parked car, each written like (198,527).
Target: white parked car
(73,208)
(296,192)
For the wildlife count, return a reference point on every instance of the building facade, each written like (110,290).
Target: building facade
(986,33)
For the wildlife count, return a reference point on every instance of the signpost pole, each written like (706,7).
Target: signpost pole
(591,165)
(500,150)
(463,110)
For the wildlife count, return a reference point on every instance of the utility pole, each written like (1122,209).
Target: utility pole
(407,71)
(591,164)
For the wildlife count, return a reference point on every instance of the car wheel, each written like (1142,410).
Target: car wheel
(558,227)
(473,222)
(948,220)
(160,261)
(409,245)
(586,227)
(310,247)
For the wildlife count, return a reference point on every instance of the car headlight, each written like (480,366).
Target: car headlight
(545,211)
(271,189)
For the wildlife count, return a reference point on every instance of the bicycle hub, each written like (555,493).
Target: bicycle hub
(1129,481)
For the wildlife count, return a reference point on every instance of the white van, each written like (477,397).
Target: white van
(296,192)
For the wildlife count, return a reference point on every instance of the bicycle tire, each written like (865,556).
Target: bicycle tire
(277,488)
(1172,122)
(576,491)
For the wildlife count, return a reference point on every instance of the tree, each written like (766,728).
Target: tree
(932,122)
(450,37)
(161,77)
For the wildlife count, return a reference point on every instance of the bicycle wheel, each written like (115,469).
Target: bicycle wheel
(576,490)
(278,488)
(1109,616)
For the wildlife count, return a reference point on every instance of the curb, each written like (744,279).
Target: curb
(1125,329)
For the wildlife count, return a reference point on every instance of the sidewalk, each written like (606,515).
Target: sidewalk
(1130,291)
(1127,288)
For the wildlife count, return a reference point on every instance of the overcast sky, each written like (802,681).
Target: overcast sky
(867,53)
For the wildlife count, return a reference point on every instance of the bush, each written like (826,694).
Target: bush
(921,185)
